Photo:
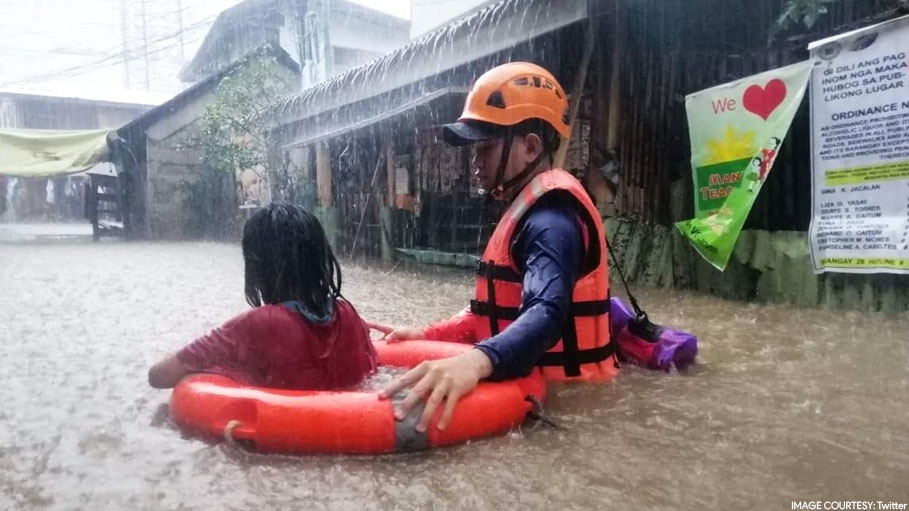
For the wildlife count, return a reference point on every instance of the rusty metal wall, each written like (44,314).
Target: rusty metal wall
(671,48)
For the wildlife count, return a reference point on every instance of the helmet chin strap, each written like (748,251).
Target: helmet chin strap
(497,188)
(500,188)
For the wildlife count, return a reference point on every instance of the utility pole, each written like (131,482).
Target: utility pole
(124,41)
(145,46)
(180,25)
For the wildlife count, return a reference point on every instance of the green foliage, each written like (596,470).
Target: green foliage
(234,125)
(795,12)
(210,205)
(232,140)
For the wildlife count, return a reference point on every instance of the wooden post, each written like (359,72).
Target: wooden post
(615,83)
(323,174)
(300,157)
(390,172)
(369,194)
(579,79)
(386,213)
(306,174)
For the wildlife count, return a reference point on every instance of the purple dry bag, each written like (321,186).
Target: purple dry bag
(643,343)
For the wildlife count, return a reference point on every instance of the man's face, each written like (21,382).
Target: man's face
(488,156)
(486,159)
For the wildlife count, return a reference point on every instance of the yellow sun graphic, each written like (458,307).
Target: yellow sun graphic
(733,146)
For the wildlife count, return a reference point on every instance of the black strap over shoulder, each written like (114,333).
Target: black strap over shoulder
(491,296)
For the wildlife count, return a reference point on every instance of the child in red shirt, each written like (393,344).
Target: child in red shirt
(301,332)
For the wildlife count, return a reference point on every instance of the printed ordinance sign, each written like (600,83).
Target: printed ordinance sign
(860,150)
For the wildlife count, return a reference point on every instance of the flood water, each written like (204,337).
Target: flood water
(785,404)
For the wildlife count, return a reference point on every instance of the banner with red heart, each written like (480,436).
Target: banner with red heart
(762,101)
(736,130)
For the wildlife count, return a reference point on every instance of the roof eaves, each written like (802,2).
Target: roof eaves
(483,33)
(150,116)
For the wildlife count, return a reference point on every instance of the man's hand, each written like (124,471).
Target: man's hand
(396,334)
(448,379)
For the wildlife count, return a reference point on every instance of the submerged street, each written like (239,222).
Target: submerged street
(784,404)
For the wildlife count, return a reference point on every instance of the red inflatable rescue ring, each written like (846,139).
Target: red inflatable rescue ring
(273,420)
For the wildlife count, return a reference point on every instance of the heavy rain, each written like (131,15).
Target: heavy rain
(201,201)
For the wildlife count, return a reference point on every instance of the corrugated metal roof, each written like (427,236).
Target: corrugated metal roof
(113,96)
(480,34)
(334,131)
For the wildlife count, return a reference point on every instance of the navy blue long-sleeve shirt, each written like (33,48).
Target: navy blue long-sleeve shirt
(548,250)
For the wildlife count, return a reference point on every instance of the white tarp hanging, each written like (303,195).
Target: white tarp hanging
(47,153)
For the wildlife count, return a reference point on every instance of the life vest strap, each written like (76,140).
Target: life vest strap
(571,364)
(571,357)
(590,308)
(589,356)
(493,312)
(481,308)
(578,309)
(504,273)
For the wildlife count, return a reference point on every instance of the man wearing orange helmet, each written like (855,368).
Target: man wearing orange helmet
(542,284)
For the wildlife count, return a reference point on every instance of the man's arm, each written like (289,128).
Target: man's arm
(551,239)
(458,328)
(548,248)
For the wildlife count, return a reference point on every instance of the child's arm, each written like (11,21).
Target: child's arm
(220,351)
(166,373)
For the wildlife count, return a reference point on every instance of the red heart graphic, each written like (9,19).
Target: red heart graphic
(762,101)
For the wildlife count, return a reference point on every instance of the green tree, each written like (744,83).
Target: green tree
(232,139)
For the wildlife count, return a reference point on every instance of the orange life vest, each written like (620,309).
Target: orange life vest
(584,352)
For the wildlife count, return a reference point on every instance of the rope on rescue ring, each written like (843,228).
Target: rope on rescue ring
(536,413)
(229,431)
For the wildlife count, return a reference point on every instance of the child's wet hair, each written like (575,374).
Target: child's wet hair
(287,257)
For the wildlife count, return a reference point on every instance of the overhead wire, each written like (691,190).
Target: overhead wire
(117,56)
(114,23)
(124,55)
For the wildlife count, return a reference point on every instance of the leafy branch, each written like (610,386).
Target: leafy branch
(795,12)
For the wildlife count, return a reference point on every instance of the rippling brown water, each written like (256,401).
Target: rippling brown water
(786,404)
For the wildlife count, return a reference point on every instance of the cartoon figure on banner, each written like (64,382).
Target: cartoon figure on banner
(760,165)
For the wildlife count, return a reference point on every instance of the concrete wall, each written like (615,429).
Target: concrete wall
(169,168)
(770,267)
(170,163)
(353,33)
(173,162)
(9,115)
(363,34)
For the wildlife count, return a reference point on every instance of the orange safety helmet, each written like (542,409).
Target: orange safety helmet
(505,96)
